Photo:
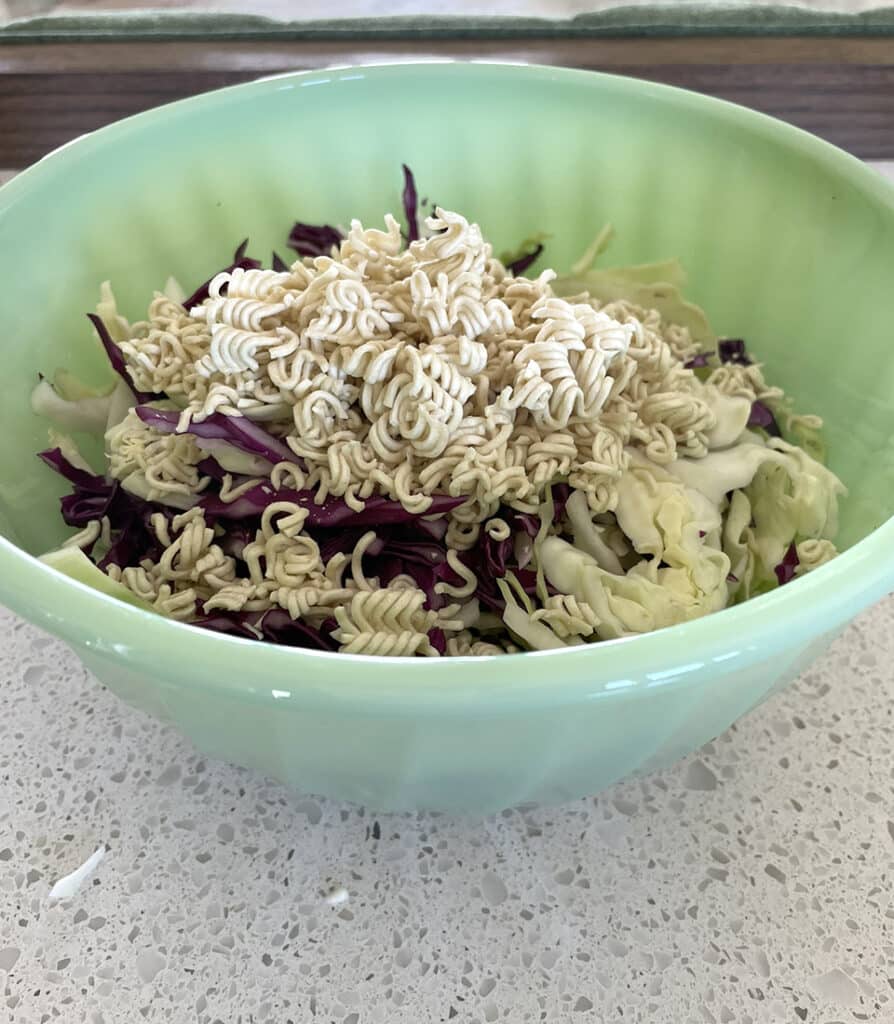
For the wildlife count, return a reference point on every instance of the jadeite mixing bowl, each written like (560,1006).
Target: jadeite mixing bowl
(789,243)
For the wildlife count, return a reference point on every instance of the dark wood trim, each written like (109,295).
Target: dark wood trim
(261,57)
(839,88)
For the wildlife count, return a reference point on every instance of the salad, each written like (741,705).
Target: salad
(400,444)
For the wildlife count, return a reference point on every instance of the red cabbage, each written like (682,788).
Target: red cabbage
(518,266)
(396,544)
(435,528)
(479,560)
(79,509)
(274,625)
(336,542)
(278,628)
(488,593)
(54,458)
(332,512)
(128,548)
(411,205)
(561,494)
(116,357)
(528,580)
(785,571)
(762,416)
(527,522)
(425,576)
(133,537)
(240,262)
(423,552)
(279,264)
(732,350)
(388,567)
(697,361)
(237,537)
(239,431)
(497,554)
(209,466)
(92,496)
(438,640)
(400,541)
(314,239)
(230,623)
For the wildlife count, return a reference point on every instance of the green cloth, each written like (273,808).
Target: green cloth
(652,20)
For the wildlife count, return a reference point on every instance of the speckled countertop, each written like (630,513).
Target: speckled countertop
(750,884)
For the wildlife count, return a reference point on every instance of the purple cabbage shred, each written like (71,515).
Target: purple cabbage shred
(527,522)
(274,626)
(410,200)
(697,361)
(54,458)
(240,262)
(93,497)
(425,553)
(561,494)
(229,623)
(237,538)
(211,467)
(434,528)
(314,239)
(785,571)
(518,266)
(239,431)
(732,350)
(116,358)
(762,416)
(277,627)
(332,512)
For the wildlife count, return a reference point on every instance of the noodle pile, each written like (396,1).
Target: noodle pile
(420,373)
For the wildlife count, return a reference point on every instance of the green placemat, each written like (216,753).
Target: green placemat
(652,20)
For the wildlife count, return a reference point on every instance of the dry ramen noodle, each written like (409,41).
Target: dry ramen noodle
(401,445)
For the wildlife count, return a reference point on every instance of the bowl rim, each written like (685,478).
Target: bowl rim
(627,667)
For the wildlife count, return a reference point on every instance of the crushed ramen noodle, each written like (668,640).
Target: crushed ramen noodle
(398,448)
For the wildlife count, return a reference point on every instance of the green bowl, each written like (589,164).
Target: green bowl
(789,242)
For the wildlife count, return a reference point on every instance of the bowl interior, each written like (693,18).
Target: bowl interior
(788,243)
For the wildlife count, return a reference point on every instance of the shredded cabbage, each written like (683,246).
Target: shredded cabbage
(73,562)
(793,497)
(683,574)
(86,414)
(738,544)
(778,495)
(648,285)
(69,450)
(107,311)
(537,635)
(733,414)
(588,536)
